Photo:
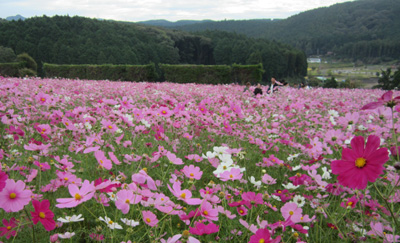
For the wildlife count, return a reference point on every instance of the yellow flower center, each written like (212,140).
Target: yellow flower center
(191,174)
(183,195)
(110,222)
(261,241)
(127,201)
(110,127)
(164,112)
(42,215)
(77,196)
(12,195)
(185,233)
(66,178)
(349,203)
(291,212)
(8,227)
(231,176)
(205,212)
(241,211)
(360,162)
(148,220)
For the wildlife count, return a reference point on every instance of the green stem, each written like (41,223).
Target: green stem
(387,205)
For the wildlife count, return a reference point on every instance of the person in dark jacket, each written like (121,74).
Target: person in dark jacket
(258,90)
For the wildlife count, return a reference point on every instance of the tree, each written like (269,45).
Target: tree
(331,83)
(6,54)
(385,81)
(27,61)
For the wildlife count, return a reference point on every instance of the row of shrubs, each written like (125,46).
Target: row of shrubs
(102,72)
(24,65)
(202,74)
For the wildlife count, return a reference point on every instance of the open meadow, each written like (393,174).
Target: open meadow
(101,161)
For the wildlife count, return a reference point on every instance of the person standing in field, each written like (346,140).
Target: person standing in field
(273,87)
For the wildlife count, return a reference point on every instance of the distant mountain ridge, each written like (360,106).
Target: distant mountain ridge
(362,29)
(16,17)
(166,23)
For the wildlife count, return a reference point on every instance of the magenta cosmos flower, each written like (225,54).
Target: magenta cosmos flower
(264,236)
(14,197)
(360,164)
(8,229)
(43,214)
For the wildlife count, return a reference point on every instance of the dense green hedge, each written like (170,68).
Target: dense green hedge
(10,69)
(202,74)
(102,72)
(212,74)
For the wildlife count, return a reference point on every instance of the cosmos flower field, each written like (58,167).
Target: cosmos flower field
(100,161)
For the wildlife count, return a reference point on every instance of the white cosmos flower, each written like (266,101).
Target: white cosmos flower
(290,186)
(292,156)
(66,235)
(254,182)
(333,113)
(220,150)
(332,119)
(88,125)
(327,173)
(225,157)
(276,197)
(299,200)
(70,219)
(209,155)
(145,123)
(362,128)
(298,167)
(130,222)
(111,224)
(112,196)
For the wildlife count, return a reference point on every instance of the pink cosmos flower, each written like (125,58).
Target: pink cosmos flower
(242,210)
(263,235)
(360,164)
(267,179)
(184,195)
(208,212)
(232,174)
(3,179)
(173,159)
(79,196)
(386,100)
(109,126)
(8,230)
(43,214)
(192,172)
(16,132)
(102,160)
(149,218)
(202,229)
(251,198)
(14,197)
(292,211)
(125,198)
(43,166)
(352,202)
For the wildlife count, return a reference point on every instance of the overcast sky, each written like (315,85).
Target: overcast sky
(139,10)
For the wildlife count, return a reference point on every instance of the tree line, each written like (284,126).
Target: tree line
(80,40)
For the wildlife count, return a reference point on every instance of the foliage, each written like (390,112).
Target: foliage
(77,40)
(10,69)
(102,72)
(212,74)
(27,61)
(200,74)
(6,55)
(331,83)
(388,81)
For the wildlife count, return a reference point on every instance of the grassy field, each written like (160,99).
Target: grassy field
(368,75)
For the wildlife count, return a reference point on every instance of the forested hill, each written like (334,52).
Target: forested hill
(79,40)
(363,29)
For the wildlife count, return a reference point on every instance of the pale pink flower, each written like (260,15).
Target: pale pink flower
(14,197)
(79,196)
